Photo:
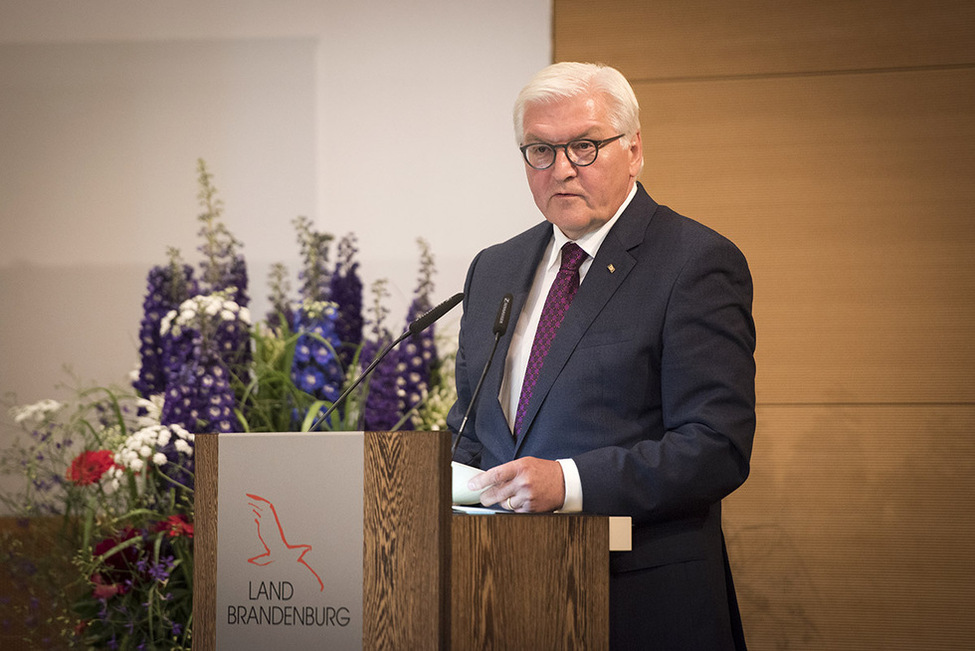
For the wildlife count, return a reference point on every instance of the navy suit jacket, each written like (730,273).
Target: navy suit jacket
(649,385)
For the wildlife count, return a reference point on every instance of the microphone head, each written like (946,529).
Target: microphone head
(504,315)
(426,320)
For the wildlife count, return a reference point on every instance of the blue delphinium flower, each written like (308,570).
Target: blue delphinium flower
(309,379)
(231,337)
(384,400)
(199,339)
(345,290)
(224,273)
(417,357)
(201,398)
(383,406)
(315,369)
(235,280)
(418,354)
(167,287)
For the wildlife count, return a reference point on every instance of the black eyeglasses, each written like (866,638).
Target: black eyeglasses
(581,152)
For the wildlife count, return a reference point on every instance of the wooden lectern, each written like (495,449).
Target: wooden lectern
(434,579)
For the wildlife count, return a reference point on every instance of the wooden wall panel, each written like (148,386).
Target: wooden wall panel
(851,196)
(854,530)
(666,39)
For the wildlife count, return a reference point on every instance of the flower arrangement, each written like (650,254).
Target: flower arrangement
(103,547)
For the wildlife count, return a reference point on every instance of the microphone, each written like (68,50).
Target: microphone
(426,320)
(504,314)
(422,322)
(500,327)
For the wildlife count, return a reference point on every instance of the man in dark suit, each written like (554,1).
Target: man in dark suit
(643,401)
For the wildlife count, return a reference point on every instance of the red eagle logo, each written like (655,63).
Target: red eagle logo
(277,549)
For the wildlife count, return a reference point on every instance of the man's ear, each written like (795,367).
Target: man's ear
(636,154)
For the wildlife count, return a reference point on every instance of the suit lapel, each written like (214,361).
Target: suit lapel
(613,263)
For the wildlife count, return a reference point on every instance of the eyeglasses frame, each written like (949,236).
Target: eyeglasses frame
(598,144)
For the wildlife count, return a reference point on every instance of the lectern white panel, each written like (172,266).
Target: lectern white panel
(289,541)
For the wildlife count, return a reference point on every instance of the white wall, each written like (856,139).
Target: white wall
(389,119)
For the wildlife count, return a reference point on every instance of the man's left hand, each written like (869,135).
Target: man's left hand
(527,485)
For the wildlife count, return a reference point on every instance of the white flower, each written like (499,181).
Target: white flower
(167,322)
(36,411)
(163,439)
(143,446)
(153,408)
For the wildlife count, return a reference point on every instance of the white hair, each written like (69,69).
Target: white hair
(561,81)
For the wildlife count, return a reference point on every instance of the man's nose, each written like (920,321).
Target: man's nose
(563,167)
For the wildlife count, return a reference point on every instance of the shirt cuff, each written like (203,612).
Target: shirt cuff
(573,486)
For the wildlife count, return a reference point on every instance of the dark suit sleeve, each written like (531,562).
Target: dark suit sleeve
(468,448)
(706,399)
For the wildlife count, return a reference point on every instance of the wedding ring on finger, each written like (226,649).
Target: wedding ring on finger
(508,503)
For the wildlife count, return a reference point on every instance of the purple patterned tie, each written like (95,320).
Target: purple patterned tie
(556,303)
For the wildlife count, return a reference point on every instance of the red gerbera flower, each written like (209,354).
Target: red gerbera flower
(104,590)
(88,467)
(176,525)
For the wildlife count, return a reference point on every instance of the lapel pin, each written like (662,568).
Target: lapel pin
(612,269)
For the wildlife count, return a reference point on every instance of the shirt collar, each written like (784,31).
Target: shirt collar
(590,242)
